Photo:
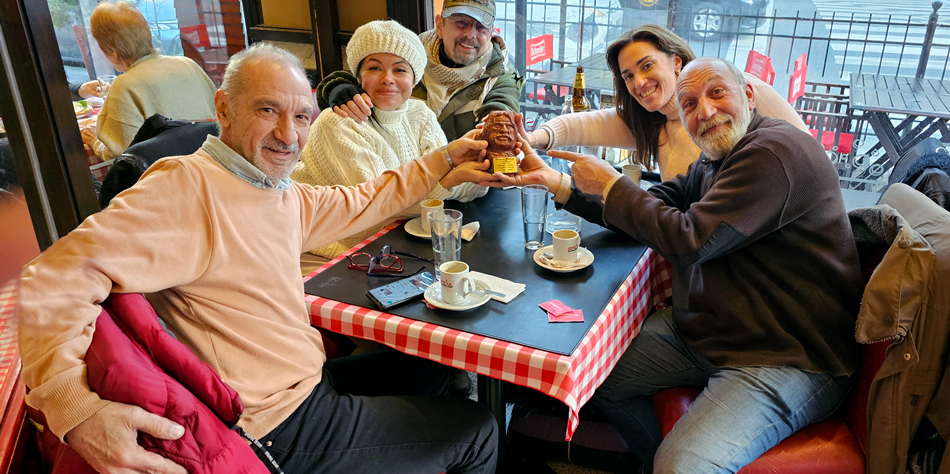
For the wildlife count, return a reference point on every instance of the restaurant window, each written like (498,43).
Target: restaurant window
(207,31)
(18,243)
(45,170)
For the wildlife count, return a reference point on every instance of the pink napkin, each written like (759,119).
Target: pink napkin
(561,313)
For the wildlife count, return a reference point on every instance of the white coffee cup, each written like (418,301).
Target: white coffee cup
(632,172)
(456,284)
(566,243)
(428,206)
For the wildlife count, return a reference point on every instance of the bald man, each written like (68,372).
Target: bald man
(766,283)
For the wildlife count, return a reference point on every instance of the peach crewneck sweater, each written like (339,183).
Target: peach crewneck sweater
(221,259)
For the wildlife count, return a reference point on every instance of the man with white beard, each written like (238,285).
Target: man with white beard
(766,285)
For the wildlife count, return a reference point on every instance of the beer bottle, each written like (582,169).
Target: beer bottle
(579,102)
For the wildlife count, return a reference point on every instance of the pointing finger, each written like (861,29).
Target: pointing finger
(565,155)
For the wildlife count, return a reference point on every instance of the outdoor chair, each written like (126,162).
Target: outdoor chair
(760,66)
(825,109)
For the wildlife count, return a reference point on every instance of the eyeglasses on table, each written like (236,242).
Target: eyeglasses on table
(388,263)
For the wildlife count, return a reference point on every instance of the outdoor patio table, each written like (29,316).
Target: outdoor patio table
(597,77)
(924,99)
(511,342)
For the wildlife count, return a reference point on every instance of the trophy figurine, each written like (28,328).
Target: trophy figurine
(499,131)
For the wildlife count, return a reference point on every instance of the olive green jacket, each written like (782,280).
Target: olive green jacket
(906,301)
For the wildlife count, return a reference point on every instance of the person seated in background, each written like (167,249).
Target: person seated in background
(389,60)
(645,62)
(766,283)
(84,90)
(468,73)
(214,238)
(173,86)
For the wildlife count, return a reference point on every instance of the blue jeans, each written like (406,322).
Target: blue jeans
(741,413)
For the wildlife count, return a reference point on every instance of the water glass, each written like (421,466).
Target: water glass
(534,203)
(445,228)
(562,220)
(105,83)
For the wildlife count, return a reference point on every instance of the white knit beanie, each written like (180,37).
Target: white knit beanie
(386,36)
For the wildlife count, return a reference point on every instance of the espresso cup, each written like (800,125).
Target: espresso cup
(456,284)
(428,206)
(633,172)
(565,245)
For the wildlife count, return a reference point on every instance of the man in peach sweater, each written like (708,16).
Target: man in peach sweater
(214,239)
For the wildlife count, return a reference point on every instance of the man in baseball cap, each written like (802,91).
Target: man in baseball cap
(483,11)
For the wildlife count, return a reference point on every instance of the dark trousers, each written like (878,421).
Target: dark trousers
(380,413)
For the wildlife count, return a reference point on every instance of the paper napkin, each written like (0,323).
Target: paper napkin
(509,288)
(469,230)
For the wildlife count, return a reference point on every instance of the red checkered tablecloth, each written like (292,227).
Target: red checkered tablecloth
(571,379)
(9,357)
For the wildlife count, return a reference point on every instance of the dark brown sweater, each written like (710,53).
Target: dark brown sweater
(767,272)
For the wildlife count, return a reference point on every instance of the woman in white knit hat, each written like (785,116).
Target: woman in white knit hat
(389,60)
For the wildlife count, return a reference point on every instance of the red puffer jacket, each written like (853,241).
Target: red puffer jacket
(133,360)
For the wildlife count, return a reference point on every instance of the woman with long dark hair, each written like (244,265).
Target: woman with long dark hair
(645,62)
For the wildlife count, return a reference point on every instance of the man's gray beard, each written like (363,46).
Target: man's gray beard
(716,149)
(465,60)
(276,173)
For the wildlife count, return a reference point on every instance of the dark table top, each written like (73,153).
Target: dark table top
(597,75)
(498,249)
(904,95)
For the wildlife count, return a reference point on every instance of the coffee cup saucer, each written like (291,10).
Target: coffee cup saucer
(433,296)
(414,228)
(584,259)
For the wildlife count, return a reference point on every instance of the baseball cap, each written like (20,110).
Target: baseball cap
(483,11)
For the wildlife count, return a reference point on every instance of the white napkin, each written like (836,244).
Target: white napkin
(559,263)
(469,230)
(509,288)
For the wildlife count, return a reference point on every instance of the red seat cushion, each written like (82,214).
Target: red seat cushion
(845,140)
(825,447)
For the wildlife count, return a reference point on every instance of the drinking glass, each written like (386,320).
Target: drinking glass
(562,220)
(105,83)
(534,203)
(445,229)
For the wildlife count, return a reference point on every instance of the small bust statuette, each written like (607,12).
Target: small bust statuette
(499,131)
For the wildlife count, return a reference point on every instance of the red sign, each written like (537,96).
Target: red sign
(539,49)
(197,35)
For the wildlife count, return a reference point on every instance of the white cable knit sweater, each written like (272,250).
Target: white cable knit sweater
(342,152)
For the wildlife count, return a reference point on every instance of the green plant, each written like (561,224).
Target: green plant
(64,12)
